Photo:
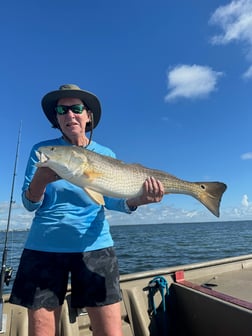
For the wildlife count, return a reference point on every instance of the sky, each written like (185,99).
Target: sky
(174,79)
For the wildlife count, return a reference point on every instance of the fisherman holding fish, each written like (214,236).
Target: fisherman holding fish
(69,233)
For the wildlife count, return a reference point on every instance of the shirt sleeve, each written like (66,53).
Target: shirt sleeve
(30,171)
(118,204)
(29,205)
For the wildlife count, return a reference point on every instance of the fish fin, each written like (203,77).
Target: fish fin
(211,194)
(95,196)
(91,174)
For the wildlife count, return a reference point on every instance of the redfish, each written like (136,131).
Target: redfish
(100,175)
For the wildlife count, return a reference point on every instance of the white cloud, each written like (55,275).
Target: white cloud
(248,73)
(246,156)
(245,200)
(191,81)
(235,21)
(20,218)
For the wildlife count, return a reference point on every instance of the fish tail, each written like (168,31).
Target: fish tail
(210,195)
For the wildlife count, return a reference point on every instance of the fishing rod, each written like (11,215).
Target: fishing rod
(6,272)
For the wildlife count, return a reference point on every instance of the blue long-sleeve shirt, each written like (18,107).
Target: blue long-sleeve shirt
(66,219)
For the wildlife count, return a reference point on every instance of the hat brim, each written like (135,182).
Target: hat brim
(49,102)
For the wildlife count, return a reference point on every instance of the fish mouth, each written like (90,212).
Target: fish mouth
(41,156)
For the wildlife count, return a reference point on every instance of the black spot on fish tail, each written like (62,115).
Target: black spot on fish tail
(211,194)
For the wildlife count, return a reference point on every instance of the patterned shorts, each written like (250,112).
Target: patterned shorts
(42,279)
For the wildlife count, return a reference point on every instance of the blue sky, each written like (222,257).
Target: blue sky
(174,79)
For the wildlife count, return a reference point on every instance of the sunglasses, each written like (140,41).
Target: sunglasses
(63,109)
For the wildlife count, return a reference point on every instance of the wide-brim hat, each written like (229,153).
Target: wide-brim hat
(49,102)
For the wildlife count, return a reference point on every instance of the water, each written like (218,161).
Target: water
(147,247)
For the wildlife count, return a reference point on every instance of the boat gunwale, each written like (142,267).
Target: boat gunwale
(187,267)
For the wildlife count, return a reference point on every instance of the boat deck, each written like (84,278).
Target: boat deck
(231,279)
(212,298)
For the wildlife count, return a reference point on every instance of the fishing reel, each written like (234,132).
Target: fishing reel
(7,275)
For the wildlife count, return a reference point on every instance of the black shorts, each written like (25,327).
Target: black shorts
(42,279)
